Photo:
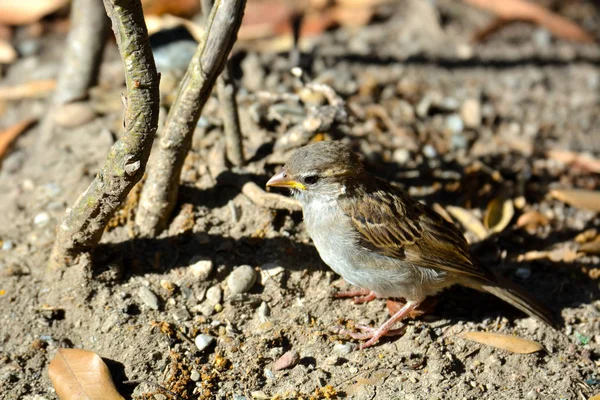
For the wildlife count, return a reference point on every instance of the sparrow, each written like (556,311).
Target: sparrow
(378,238)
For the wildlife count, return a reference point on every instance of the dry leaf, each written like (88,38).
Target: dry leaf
(31,89)
(8,136)
(591,247)
(469,221)
(25,12)
(586,236)
(498,214)
(582,161)
(579,198)
(82,375)
(531,220)
(183,8)
(562,254)
(513,344)
(521,10)
(596,397)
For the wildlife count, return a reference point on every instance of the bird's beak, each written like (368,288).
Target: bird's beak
(283,180)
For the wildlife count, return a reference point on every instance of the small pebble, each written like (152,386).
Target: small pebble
(470,111)
(269,271)
(269,374)
(429,151)
(239,397)
(148,297)
(288,360)
(214,295)
(454,123)
(263,312)
(332,360)
(523,272)
(7,245)
(74,114)
(41,219)
(401,156)
(201,268)
(159,396)
(202,341)
(109,323)
(241,279)
(276,352)
(195,376)
(344,348)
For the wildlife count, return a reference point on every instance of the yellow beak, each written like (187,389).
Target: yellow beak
(282,180)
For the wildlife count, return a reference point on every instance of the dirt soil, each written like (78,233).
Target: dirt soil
(456,123)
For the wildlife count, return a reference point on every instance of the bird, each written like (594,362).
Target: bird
(378,238)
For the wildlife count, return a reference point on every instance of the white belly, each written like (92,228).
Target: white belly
(337,243)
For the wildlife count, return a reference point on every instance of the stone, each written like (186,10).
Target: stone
(202,341)
(344,348)
(470,112)
(214,295)
(288,360)
(201,268)
(148,297)
(241,279)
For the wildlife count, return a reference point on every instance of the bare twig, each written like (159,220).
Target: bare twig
(82,226)
(161,188)
(85,43)
(256,194)
(231,122)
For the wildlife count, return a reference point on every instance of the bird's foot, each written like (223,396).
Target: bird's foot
(360,295)
(427,305)
(372,335)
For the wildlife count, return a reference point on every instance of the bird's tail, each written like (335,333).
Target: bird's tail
(516,296)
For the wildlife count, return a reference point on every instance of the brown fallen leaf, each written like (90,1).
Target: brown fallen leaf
(82,375)
(8,136)
(521,10)
(592,247)
(575,159)
(25,12)
(579,198)
(513,344)
(561,254)
(33,89)
(531,220)
(498,214)
(469,221)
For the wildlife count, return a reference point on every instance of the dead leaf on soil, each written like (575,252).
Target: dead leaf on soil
(579,198)
(513,344)
(82,375)
(25,12)
(521,10)
(33,89)
(8,136)
(592,247)
(531,220)
(498,214)
(562,254)
(469,221)
(580,160)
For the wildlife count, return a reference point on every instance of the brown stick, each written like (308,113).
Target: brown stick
(83,225)
(162,185)
(227,90)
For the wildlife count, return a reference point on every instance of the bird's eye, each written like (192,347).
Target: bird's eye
(311,179)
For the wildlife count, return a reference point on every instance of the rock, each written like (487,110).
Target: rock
(470,113)
(202,341)
(201,268)
(214,295)
(269,271)
(344,348)
(288,360)
(73,115)
(159,396)
(429,151)
(401,156)
(7,245)
(263,312)
(148,297)
(454,123)
(195,376)
(42,219)
(241,279)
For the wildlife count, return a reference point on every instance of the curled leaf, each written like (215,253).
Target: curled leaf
(579,198)
(469,221)
(82,375)
(498,214)
(513,344)
(592,247)
(531,220)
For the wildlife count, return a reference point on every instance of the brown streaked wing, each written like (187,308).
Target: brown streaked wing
(391,223)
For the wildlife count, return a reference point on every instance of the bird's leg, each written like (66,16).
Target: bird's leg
(360,295)
(393,305)
(375,334)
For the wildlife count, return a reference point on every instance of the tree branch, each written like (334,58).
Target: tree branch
(83,224)
(161,187)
